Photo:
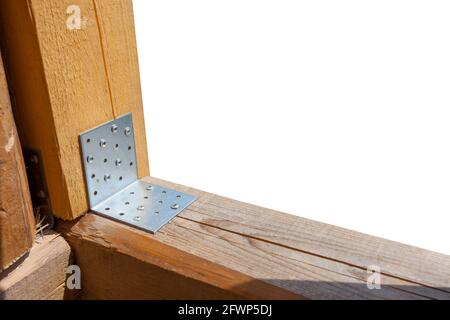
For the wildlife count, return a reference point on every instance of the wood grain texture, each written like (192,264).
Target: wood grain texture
(350,247)
(41,274)
(118,262)
(116,26)
(17,227)
(68,81)
(250,241)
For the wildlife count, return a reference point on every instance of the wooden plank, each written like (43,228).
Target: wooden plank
(187,251)
(319,239)
(41,274)
(118,34)
(58,294)
(66,81)
(17,227)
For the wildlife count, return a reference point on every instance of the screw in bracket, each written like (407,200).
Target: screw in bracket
(103,143)
(90,159)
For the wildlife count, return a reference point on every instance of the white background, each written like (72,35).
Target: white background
(338,111)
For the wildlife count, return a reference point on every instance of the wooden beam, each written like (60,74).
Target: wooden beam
(17,227)
(220,244)
(42,275)
(68,80)
(133,265)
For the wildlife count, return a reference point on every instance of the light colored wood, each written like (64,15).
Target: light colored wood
(58,294)
(318,239)
(17,227)
(210,231)
(118,262)
(41,274)
(116,26)
(66,81)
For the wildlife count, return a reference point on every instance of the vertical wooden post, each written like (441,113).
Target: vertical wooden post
(72,65)
(16,213)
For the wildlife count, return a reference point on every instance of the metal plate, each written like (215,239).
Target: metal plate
(145,206)
(109,158)
(110,168)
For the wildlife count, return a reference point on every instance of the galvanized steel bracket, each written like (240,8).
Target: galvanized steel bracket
(114,191)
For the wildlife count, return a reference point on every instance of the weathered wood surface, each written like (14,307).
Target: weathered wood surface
(118,262)
(216,236)
(319,239)
(41,275)
(16,213)
(66,80)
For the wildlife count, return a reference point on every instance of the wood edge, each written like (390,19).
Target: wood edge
(32,278)
(119,240)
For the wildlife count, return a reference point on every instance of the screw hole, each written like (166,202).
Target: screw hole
(145,197)
(156,212)
(93,176)
(120,178)
(107,209)
(129,148)
(131,192)
(160,201)
(105,161)
(131,164)
(178,196)
(95,193)
(88,140)
(121,214)
(127,203)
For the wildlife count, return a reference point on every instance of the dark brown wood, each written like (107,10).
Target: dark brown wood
(16,213)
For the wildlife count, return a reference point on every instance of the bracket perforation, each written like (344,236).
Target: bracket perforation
(110,168)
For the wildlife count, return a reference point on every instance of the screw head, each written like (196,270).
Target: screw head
(149,188)
(114,128)
(118,162)
(107,177)
(103,143)
(174,206)
(127,131)
(90,159)
(141,208)
(137,218)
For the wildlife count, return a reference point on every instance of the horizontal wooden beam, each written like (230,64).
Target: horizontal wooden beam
(42,275)
(221,248)
(71,65)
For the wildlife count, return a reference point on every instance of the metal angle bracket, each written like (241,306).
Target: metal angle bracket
(114,191)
